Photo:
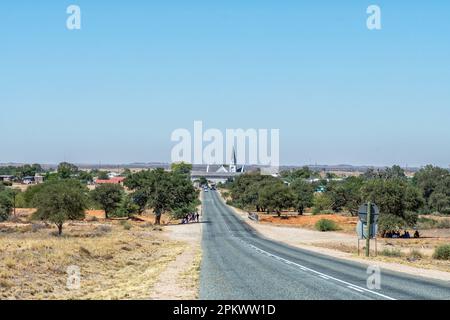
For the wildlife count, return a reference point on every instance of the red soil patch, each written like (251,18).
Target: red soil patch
(309,221)
(98,214)
(150,218)
(27,212)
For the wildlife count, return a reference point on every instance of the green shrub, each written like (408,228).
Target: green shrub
(119,213)
(321,202)
(326,225)
(442,252)
(6,205)
(20,201)
(391,252)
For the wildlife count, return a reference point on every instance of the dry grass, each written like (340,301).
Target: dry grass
(115,263)
(407,255)
(191,277)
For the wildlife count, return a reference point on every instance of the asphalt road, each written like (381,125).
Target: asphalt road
(238,263)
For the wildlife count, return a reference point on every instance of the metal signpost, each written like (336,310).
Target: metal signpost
(369,207)
(367,226)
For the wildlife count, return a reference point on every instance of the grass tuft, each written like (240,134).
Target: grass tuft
(326,225)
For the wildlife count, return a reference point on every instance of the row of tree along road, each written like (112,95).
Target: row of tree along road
(400,199)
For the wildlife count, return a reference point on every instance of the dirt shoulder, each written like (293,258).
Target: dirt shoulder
(344,246)
(180,280)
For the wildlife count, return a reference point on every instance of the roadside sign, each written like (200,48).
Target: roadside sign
(374,213)
(361,230)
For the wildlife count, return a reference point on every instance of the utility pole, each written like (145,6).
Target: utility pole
(369,209)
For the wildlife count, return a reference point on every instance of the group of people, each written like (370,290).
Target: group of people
(191,217)
(405,235)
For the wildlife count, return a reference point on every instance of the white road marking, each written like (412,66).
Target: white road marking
(325,276)
(348,284)
(352,287)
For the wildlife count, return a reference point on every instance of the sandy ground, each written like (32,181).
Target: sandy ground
(338,244)
(116,260)
(166,265)
(180,280)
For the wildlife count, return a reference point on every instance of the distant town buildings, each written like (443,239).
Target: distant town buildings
(114,180)
(220,174)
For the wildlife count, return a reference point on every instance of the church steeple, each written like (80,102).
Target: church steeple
(233,165)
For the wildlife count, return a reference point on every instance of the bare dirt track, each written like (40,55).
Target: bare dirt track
(180,280)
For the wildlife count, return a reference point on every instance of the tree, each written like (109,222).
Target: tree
(346,194)
(67,170)
(435,185)
(30,193)
(102,175)
(245,190)
(322,202)
(162,191)
(126,172)
(303,195)
(181,168)
(430,178)
(336,192)
(202,181)
(275,197)
(6,203)
(395,198)
(394,172)
(440,202)
(59,201)
(28,170)
(85,176)
(108,196)
(302,173)
(51,176)
(21,171)
(127,207)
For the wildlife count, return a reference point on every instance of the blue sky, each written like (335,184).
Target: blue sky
(114,91)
